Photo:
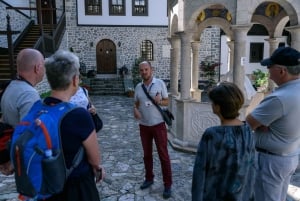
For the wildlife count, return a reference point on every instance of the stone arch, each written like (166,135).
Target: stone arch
(230,6)
(222,23)
(280,26)
(290,10)
(174,25)
(276,25)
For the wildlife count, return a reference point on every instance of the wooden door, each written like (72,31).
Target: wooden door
(106,57)
(49,13)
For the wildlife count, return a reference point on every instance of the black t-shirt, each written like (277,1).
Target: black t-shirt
(76,126)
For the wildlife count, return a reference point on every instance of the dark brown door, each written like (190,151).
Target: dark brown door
(48,11)
(106,57)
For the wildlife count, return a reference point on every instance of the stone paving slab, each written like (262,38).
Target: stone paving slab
(121,153)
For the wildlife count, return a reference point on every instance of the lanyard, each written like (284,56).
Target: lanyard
(149,88)
(23,79)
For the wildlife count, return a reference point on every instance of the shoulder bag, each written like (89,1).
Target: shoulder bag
(166,114)
(97,120)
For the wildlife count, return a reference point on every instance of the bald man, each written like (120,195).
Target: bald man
(20,94)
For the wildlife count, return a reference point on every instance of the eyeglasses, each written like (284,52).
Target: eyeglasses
(276,66)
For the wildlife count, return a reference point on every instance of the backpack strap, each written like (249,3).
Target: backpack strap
(76,161)
(84,91)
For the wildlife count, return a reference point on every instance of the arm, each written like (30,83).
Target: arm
(92,150)
(92,108)
(136,111)
(253,123)
(161,97)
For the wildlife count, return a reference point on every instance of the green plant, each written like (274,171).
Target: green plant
(260,79)
(136,78)
(45,94)
(210,72)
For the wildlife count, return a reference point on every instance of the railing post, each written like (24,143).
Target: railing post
(40,20)
(10,46)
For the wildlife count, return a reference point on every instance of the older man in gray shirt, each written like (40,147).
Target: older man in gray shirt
(20,95)
(276,126)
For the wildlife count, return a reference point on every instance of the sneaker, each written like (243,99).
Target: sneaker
(167,193)
(146,184)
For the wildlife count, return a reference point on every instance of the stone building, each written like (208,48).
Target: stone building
(106,40)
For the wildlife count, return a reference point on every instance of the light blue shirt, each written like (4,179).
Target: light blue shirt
(280,112)
(150,114)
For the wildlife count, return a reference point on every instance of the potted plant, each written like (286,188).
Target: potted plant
(210,72)
(136,78)
(130,92)
(260,80)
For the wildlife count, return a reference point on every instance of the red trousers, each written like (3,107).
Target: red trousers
(159,134)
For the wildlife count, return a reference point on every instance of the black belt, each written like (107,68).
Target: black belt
(265,151)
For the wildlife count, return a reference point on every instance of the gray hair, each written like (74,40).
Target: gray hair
(61,67)
(293,70)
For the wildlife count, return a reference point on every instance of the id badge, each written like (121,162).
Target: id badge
(148,103)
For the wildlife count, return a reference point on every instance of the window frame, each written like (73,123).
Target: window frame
(146,8)
(256,52)
(146,49)
(91,7)
(123,5)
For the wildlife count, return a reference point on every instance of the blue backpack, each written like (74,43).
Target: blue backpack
(36,151)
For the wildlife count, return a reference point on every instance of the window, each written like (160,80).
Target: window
(256,52)
(116,7)
(140,7)
(147,50)
(93,7)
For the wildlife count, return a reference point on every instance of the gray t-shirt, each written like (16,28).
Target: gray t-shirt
(16,101)
(280,112)
(150,114)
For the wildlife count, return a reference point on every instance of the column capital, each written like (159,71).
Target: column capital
(274,42)
(293,28)
(195,45)
(275,39)
(241,27)
(184,35)
(230,44)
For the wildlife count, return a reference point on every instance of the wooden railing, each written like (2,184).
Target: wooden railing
(47,43)
(52,41)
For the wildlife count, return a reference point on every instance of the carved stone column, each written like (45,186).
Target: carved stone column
(185,66)
(295,35)
(240,35)
(273,42)
(196,93)
(174,65)
(229,76)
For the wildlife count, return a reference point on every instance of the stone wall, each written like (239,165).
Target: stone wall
(83,40)
(210,44)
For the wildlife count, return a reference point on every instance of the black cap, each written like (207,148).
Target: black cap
(285,56)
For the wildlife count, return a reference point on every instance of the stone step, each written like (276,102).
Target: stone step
(104,86)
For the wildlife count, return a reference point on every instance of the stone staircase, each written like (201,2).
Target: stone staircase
(104,86)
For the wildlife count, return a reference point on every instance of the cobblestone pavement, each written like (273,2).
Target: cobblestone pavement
(123,162)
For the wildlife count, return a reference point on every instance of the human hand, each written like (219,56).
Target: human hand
(99,174)
(92,109)
(263,129)
(137,113)
(6,168)
(157,98)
